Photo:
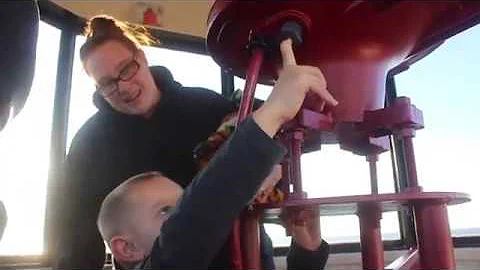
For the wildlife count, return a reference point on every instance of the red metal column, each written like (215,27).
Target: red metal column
(410,160)
(250,239)
(285,181)
(433,234)
(247,238)
(296,176)
(372,162)
(250,84)
(235,245)
(370,236)
(431,219)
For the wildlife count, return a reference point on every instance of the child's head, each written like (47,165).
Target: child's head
(131,215)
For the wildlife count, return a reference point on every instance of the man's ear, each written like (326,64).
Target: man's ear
(124,251)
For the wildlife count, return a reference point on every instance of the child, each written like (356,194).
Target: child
(202,219)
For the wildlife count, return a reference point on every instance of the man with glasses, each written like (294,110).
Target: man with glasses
(108,87)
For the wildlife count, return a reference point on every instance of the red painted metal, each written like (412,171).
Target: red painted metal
(358,142)
(348,205)
(370,236)
(251,240)
(355,44)
(402,114)
(433,235)
(311,120)
(284,183)
(297,141)
(411,165)
(250,235)
(254,66)
(234,242)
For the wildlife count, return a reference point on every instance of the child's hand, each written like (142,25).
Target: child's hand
(304,227)
(287,96)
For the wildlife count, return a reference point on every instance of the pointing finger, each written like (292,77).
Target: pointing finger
(288,57)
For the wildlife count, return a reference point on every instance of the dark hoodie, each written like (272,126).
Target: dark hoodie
(111,147)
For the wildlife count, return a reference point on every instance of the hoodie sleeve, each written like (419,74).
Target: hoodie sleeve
(203,219)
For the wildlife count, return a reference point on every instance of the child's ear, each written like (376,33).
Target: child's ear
(124,251)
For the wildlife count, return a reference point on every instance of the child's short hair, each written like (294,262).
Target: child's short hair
(114,213)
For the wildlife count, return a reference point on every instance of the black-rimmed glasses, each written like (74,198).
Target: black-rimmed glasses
(107,89)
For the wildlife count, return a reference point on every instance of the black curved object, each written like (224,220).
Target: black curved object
(19,22)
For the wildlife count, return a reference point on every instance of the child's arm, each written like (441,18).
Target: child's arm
(202,221)
(203,218)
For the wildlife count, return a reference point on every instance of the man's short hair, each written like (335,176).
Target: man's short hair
(114,211)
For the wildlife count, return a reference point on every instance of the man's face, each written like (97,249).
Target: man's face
(123,78)
(151,203)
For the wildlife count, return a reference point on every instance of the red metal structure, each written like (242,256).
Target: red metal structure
(355,44)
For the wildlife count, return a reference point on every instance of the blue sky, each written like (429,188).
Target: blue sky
(446,85)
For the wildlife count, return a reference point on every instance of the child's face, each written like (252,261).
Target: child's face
(151,203)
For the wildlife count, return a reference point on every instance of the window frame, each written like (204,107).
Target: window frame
(71,25)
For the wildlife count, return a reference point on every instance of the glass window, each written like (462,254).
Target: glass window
(445,86)
(189,69)
(339,229)
(334,172)
(81,97)
(261,91)
(25,149)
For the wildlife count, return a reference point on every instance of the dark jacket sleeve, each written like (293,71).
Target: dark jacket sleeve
(204,216)
(300,258)
(19,23)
